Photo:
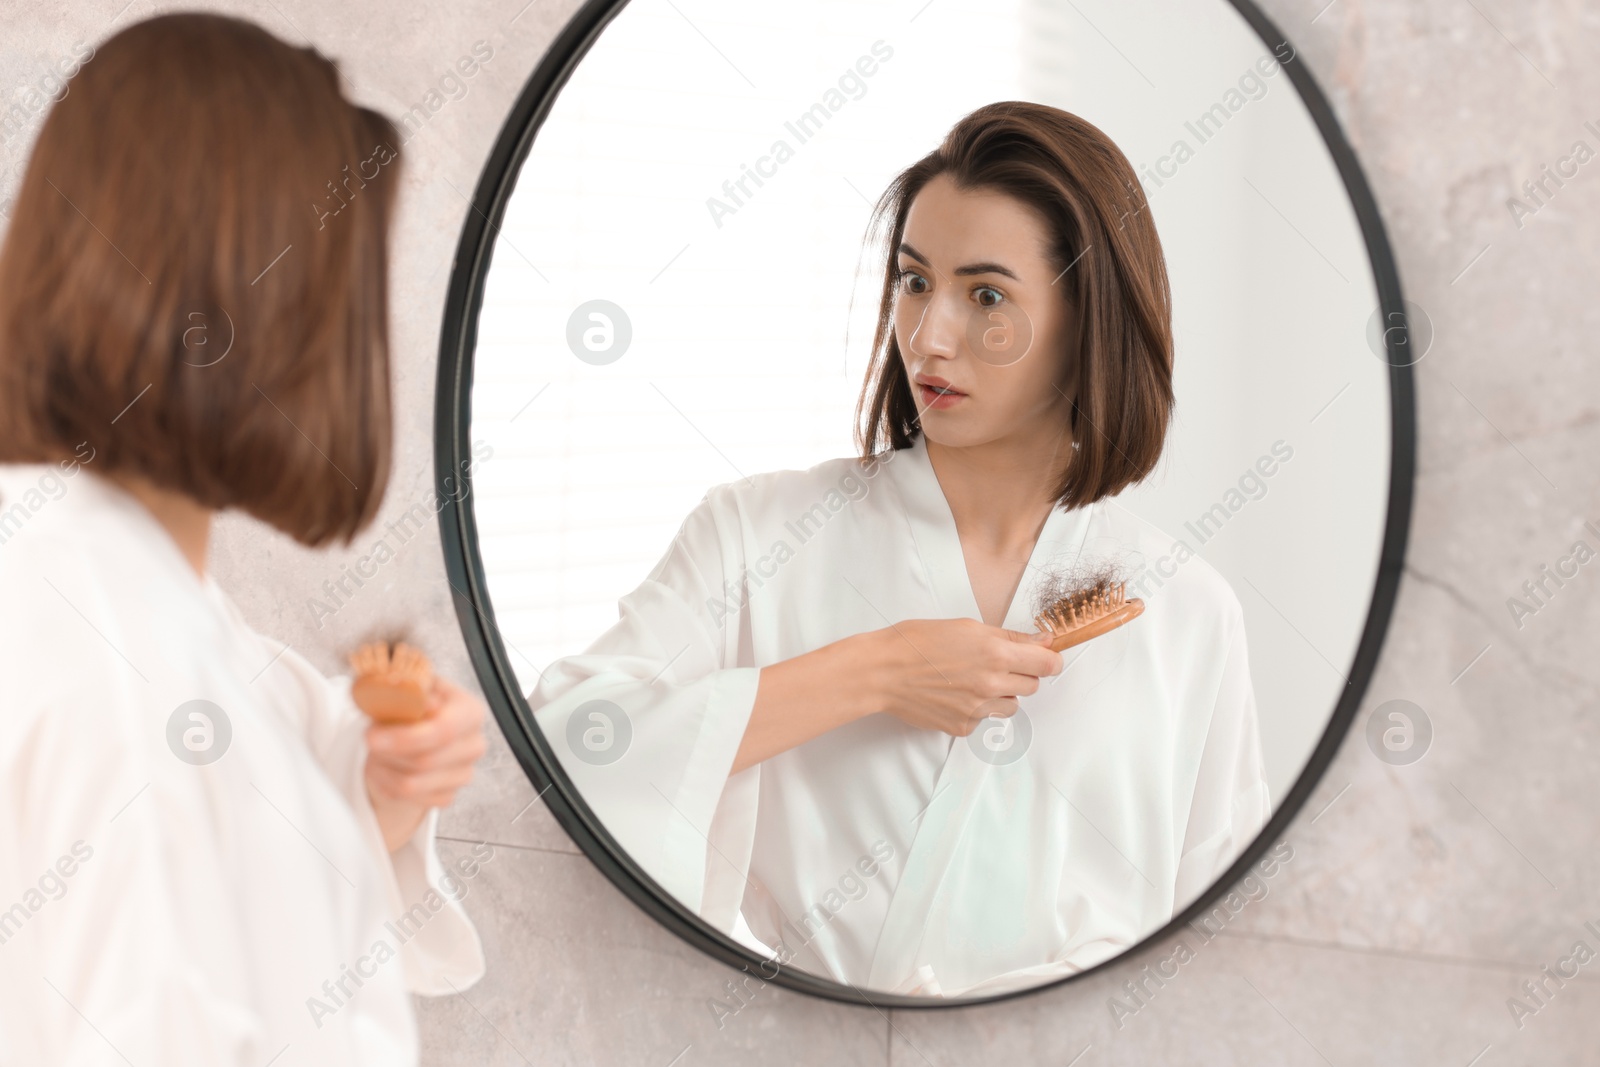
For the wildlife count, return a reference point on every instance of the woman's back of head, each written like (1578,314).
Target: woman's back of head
(194,283)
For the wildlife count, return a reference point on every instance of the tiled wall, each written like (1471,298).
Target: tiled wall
(1419,897)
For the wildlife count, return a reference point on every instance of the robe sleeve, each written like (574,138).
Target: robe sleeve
(445,955)
(1230,805)
(647,721)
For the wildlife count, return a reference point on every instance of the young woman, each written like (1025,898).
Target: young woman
(207,854)
(803,675)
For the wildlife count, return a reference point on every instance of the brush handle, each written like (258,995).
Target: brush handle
(389,702)
(1104,624)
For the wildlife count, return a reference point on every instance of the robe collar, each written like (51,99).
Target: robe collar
(933,530)
(94,502)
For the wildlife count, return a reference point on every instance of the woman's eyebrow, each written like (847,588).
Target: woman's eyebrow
(970,268)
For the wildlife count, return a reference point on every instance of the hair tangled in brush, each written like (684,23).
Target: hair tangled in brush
(1075,584)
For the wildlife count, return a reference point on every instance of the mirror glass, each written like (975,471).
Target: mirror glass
(689,565)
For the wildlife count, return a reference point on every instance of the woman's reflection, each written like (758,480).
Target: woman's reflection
(842,736)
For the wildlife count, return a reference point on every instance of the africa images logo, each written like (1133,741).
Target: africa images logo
(198,732)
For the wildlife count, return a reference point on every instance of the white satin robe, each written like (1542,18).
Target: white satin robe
(157,912)
(1142,782)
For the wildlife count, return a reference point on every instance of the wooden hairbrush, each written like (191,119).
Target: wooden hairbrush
(1076,615)
(392,681)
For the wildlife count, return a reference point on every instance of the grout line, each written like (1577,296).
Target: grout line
(503,844)
(1436,959)
(1395,953)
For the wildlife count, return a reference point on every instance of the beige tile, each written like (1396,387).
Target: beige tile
(1503,802)
(1247,1002)
(578,975)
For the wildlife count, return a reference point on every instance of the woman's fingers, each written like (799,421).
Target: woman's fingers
(466,748)
(1029,654)
(964,724)
(426,762)
(421,785)
(457,714)
(1001,708)
(957,672)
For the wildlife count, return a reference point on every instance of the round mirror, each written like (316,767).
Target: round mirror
(933,477)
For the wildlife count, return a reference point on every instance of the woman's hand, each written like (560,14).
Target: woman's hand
(934,674)
(951,674)
(412,767)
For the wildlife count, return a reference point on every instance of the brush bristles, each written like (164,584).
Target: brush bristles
(1085,606)
(399,664)
(407,662)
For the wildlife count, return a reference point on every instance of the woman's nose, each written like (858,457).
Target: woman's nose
(939,329)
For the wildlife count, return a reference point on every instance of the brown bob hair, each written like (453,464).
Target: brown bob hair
(194,285)
(1110,268)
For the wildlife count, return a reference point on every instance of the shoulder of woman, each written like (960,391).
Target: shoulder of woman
(1160,565)
(791,492)
(80,726)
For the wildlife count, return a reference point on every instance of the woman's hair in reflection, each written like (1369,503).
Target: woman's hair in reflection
(1077,581)
(1111,272)
(194,284)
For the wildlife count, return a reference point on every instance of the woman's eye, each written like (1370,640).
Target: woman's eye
(994,293)
(909,281)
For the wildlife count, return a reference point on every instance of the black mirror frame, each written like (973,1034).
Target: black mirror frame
(458,528)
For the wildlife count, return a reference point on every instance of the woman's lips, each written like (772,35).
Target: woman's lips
(936,393)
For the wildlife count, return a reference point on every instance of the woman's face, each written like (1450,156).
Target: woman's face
(981,319)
